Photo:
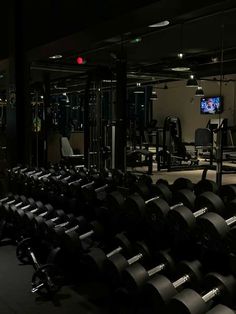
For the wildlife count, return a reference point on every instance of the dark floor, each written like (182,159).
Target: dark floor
(16,297)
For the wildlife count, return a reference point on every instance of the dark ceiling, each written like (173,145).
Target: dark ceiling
(203,30)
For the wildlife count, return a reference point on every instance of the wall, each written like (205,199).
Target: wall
(179,100)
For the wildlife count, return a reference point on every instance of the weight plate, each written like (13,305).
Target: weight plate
(212,230)
(135,208)
(193,269)
(226,284)
(162,181)
(114,267)
(221,309)
(227,192)
(22,252)
(163,257)
(187,197)
(182,183)
(205,185)
(158,291)
(94,261)
(122,240)
(141,189)
(115,201)
(181,220)
(134,277)
(212,201)
(186,302)
(163,191)
(156,212)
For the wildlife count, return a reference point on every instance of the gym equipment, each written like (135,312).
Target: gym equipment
(96,258)
(135,276)
(135,205)
(227,192)
(117,263)
(218,287)
(46,279)
(182,220)
(214,229)
(221,309)
(159,289)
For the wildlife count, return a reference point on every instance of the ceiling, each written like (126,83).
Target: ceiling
(100,30)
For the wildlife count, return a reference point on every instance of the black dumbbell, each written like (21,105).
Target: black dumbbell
(227,192)
(221,309)
(181,220)
(17,202)
(214,230)
(73,241)
(46,279)
(135,205)
(135,276)
(218,287)
(96,258)
(117,263)
(159,289)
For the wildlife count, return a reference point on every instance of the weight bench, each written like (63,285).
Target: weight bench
(68,155)
(134,159)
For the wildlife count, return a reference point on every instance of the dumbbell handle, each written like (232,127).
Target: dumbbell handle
(34,259)
(156,269)
(86,235)
(176,205)
(211,294)
(67,178)
(152,199)
(76,181)
(87,185)
(4,199)
(101,188)
(35,174)
(135,258)
(115,251)
(200,212)
(181,281)
(231,221)
(45,176)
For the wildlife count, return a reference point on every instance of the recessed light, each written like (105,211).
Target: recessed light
(180,55)
(160,24)
(55,57)
(180,69)
(136,40)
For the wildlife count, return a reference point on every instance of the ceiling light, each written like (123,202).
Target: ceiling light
(192,82)
(180,55)
(138,89)
(199,92)
(136,40)
(181,69)
(154,96)
(55,57)
(160,24)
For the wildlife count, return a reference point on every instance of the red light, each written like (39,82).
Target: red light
(80,60)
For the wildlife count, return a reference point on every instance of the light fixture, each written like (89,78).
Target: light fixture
(55,57)
(192,82)
(180,64)
(181,69)
(153,95)
(138,89)
(160,24)
(199,92)
(136,40)
(180,55)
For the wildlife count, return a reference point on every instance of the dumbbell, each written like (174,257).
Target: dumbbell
(135,276)
(182,220)
(46,279)
(135,205)
(95,259)
(116,264)
(227,192)
(218,288)
(159,289)
(72,240)
(17,202)
(184,183)
(221,309)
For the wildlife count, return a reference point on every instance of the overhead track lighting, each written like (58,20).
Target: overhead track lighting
(153,95)
(160,24)
(138,89)
(55,57)
(192,82)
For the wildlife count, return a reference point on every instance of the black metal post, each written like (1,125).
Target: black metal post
(120,111)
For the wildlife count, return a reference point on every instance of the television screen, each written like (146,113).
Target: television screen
(211,105)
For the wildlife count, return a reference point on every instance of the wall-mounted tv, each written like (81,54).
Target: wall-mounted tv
(211,105)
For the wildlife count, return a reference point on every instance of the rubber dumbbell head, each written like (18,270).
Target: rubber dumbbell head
(159,289)
(116,264)
(219,287)
(96,258)
(135,276)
